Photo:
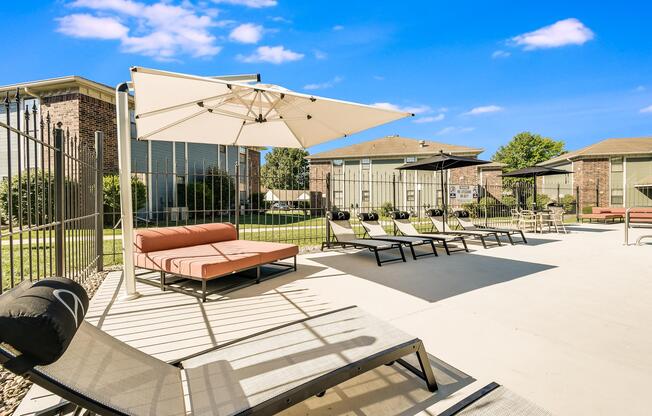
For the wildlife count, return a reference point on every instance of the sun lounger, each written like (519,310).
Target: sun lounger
(466,224)
(375,230)
(205,252)
(438,225)
(338,221)
(404,226)
(44,337)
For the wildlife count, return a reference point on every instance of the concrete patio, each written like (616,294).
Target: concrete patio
(564,322)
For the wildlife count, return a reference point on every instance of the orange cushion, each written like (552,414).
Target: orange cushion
(156,239)
(203,261)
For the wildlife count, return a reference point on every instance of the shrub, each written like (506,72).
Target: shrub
(34,206)
(305,206)
(473,208)
(542,201)
(509,201)
(111,185)
(386,209)
(587,209)
(200,197)
(568,202)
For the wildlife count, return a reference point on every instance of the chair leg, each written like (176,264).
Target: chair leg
(414,255)
(509,237)
(523,236)
(257,274)
(295,263)
(498,240)
(426,368)
(377,258)
(402,254)
(434,249)
(162,283)
(203,290)
(448,251)
(484,244)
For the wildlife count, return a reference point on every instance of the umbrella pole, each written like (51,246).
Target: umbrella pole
(534,197)
(443,197)
(126,207)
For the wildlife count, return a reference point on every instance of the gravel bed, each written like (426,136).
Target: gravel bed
(13,387)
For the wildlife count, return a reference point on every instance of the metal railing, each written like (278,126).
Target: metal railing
(49,221)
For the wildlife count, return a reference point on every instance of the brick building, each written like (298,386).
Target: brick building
(84,106)
(612,172)
(361,173)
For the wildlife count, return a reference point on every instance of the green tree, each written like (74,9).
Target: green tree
(285,169)
(527,149)
(111,184)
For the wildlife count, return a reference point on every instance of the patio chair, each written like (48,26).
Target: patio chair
(515,220)
(375,230)
(438,225)
(338,221)
(556,218)
(529,221)
(402,221)
(467,225)
(45,339)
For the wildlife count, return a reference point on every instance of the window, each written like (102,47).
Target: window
(617,175)
(222,148)
(616,164)
(365,196)
(338,162)
(410,195)
(410,159)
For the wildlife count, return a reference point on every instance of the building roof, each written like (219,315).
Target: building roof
(492,166)
(59,85)
(389,146)
(608,147)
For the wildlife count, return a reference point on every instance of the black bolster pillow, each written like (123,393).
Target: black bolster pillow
(41,319)
(461,214)
(400,215)
(436,212)
(368,216)
(338,215)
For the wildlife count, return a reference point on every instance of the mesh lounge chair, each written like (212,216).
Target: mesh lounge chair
(339,223)
(467,225)
(402,221)
(438,225)
(44,337)
(376,231)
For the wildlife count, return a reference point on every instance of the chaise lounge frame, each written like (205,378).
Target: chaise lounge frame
(443,239)
(407,241)
(469,226)
(76,401)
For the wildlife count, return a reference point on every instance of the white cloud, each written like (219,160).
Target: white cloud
(323,85)
(419,109)
(429,119)
(280,19)
(564,32)
(320,54)
(640,88)
(647,109)
(378,77)
(271,54)
(161,30)
(256,4)
(247,33)
(91,27)
(500,54)
(338,27)
(483,110)
(454,130)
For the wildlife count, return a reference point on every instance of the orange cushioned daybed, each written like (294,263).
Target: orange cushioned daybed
(205,252)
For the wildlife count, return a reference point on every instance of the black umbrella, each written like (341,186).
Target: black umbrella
(441,162)
(533,172)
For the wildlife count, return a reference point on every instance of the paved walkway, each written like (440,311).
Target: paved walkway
(565,322)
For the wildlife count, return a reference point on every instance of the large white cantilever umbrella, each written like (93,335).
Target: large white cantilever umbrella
(179,107)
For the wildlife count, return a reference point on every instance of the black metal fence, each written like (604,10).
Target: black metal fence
(49,218)
(290,206)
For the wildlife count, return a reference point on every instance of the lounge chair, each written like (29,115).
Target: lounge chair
(467,225)
(404,226)
(338,221)
(438,225)
(375,230)
(44,337)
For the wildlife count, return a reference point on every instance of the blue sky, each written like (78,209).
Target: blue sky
(475,72)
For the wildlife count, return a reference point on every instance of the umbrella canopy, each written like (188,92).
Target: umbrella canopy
(188,108)
(534,171)
(441,162)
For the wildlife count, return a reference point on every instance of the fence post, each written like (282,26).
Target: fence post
(237,198)
(558,198)
(394,198)
(328,205)
(486,204)
(577,203)
(597,192)
(99,200)
(59,200)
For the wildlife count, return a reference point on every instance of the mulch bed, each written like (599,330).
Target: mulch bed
(13,387)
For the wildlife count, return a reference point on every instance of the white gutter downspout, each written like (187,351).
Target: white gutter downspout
(126,208)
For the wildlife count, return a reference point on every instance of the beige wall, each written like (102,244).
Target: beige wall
(638,170)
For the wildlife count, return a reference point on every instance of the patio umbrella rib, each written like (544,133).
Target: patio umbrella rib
(174,123)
